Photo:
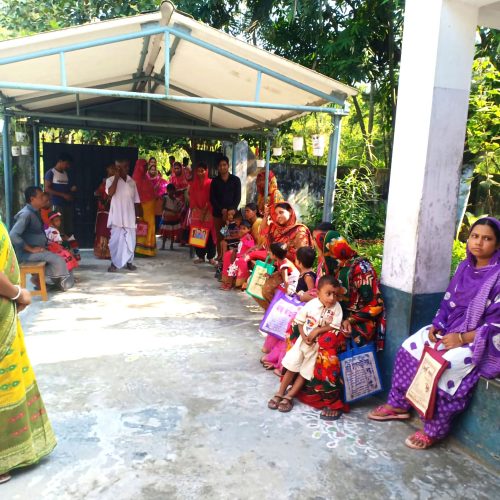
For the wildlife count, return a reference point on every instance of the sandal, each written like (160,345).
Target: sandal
(383,413)
(330,418)
(274,402)
(419,441)
(286,404)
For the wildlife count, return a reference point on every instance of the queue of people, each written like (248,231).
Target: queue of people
(338,291)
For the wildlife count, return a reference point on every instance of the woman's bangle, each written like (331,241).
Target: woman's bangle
(18,293)
(461,338)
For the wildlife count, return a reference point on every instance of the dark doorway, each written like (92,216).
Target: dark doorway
(87,173)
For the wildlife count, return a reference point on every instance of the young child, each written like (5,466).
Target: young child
(231,239)
(170,225)
(289,273)
(61,245)
(318,316)
(304,261)
(234,264)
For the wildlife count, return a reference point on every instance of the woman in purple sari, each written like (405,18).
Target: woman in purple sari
(468,322)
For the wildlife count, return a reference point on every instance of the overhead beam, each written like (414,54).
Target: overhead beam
(137,123)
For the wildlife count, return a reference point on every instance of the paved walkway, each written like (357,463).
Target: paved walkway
(152,383)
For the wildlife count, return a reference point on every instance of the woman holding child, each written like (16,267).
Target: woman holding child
(363,321)
(468,326)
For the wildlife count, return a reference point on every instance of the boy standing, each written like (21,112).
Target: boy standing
(318,316)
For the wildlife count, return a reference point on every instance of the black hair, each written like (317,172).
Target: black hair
(171,157)
(185,160)
(252,206)
(65,157)
(279,249)
(328,279)
(324,226)
(284,204)
(246,224)
(152,158)
(306,256)
(30,192)
(222,158)
(238,215)
(171,187)
(177,164)
(487,222)
(202,164)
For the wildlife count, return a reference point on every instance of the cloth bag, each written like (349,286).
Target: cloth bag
(360,372)
(141,228)
(279,314)
(258,278)
(423,390)
(198,235)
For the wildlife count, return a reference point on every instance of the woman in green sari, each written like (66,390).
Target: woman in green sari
(25,431)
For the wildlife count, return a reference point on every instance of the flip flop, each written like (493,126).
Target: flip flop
(387,414)
(426,441)
(5,477)
(331,418)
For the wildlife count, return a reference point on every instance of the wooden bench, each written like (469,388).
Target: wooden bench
(32,268)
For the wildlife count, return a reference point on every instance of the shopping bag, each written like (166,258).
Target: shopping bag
(198,235)
(258,278)
(423,390)
(360,372)
(279,314)
(141,228)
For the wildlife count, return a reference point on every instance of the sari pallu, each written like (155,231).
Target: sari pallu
(26,435)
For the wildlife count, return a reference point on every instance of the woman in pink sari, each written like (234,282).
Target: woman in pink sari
(201,211)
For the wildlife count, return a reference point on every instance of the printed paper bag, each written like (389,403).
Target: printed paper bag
(360,373)
(141,228)
(279,314)
(198,236)
(422,391)
(258,278)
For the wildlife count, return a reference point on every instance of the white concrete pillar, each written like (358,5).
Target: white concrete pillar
(434,83)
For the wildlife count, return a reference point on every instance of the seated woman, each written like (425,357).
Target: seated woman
(363,321)
(468,322)
(279,225)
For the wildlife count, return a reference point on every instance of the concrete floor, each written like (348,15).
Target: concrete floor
(155,391)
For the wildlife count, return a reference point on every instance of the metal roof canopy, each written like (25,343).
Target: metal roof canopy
(217,84)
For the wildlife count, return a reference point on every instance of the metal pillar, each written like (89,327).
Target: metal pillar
(233,159)
(36,153)
(268,159)
(7,170)
(331,169)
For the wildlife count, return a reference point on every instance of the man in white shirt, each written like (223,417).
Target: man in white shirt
(125,204)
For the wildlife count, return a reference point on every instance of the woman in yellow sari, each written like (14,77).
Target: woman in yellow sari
(25,431)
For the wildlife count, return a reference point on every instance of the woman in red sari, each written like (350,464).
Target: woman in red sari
(181,183)
(363,322)
(146,243)
(102,232)
(201,211)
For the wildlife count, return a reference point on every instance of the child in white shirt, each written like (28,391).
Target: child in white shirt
(318,316)
(289,273)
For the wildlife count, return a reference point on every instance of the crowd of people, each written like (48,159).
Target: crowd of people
(338,291)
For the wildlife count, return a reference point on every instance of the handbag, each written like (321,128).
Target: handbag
(360,372)
(423,390)
(258,278)
(142,228)
(281,311)
(198,235)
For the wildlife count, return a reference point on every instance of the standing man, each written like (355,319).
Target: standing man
(124,207)
(30,242)
(60,188)
(225,193)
